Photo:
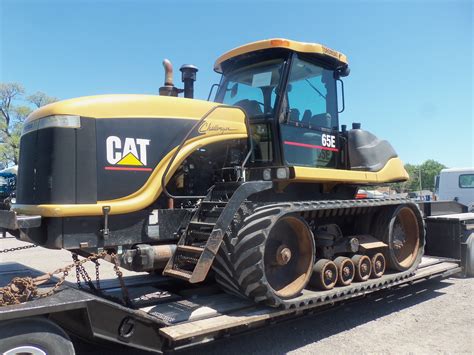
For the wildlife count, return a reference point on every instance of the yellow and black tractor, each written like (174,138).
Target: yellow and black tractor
(256,190)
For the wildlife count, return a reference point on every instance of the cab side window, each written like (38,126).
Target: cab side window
(311,95)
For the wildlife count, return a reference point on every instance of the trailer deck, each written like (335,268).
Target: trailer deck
(170,315)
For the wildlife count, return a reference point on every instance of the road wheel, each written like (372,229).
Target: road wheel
(378,265)
(325,275)
(35,336)
(363,267)
(346,270)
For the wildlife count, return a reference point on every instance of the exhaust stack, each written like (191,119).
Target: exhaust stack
(168,89)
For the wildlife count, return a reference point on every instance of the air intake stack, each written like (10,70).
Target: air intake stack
(188,76)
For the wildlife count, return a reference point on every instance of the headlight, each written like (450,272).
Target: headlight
(63,121)
(267,174)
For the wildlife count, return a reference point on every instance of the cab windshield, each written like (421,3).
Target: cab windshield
(253,88)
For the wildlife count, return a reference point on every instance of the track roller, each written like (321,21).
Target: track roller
(363,267)
(345,270)
(324,275)
(378,265)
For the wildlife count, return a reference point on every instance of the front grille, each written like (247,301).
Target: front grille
(48,167)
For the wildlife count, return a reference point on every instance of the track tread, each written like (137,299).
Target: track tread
(241,245)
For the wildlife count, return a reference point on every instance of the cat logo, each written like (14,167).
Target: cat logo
(131,155)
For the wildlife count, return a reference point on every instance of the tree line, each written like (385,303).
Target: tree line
(424,173)
(16,105)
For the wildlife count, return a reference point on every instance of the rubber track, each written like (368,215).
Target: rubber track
(225,265)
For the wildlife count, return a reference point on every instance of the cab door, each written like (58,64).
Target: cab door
(309,134)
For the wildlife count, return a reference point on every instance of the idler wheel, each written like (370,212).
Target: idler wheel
(363,267)
(378,265)
(345,270)
(404,238)
(324,275)
(288,257)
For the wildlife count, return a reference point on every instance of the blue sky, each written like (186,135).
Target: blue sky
(411,62)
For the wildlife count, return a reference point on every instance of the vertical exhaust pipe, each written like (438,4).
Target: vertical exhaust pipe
(168,89)
(168,72)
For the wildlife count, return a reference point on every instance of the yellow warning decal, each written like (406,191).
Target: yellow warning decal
(130,159)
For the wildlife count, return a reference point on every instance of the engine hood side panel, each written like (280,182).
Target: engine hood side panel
(129,149)
(132,155)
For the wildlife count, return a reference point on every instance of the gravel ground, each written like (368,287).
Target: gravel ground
(432,317)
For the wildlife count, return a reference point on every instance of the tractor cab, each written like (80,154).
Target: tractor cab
(289,91)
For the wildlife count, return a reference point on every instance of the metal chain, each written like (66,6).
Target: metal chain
(97,276)
(125,294)
(82,272)
(18,248)
(22,289)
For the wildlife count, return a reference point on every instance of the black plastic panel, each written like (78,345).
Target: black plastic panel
(25,182)
(367,152)
(58,165)
(86,162)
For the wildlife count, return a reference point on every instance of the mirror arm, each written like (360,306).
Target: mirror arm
(211,90)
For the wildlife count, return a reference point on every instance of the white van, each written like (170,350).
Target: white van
(456,184)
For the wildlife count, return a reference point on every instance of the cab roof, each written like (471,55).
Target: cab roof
(301,47)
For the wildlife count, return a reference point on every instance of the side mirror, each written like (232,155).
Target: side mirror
(233,90)
(342,72)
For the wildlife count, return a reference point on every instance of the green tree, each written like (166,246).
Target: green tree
(413,182)
(14,109)
(429,169)
(40,99)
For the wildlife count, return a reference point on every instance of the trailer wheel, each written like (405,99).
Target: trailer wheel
(470,256)
(35,336)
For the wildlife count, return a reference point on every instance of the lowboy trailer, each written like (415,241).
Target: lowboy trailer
(166,314)
(247,206)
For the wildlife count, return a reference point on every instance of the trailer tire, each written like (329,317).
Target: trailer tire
(35,336)
(470,256)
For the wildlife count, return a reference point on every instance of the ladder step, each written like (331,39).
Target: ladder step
(198,236)
(190,249)
(183,275)
(202,224)
(214,203)
(213,209)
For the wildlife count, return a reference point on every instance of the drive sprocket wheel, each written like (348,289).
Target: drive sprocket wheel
(269,259)
(402,229)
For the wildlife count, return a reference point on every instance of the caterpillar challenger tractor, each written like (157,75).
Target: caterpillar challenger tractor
(256,190)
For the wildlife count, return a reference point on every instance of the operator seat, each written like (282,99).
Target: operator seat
(321,120)
(294,115)
(251,107)
(306,117)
